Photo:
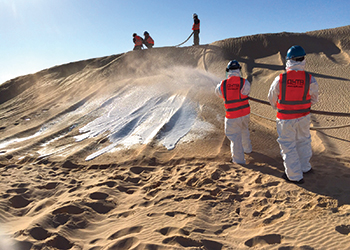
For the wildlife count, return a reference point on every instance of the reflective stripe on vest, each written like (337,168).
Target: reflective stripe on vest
(236,104)
(195,26)
(150,40)
(138,41)
(294,100)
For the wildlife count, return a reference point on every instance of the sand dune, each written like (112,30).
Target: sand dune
(128,152)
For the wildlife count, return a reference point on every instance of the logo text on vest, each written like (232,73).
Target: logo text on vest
(295,83)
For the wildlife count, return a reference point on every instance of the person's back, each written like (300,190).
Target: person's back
(292,94)
(235,90)
(138,41)
(148,41)
(236,103)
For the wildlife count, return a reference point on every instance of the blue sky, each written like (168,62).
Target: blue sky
(39,34)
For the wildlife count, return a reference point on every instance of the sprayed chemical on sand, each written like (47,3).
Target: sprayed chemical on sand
(161,107)
(165,110)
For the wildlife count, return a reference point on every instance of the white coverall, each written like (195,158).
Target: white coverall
(236,129)
(294,135)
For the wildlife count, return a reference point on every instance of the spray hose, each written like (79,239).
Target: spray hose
(185,40)
(318,112)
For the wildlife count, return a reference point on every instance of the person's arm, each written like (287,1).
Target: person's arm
(218,90)
(246,88)
(313,90)
(274,92)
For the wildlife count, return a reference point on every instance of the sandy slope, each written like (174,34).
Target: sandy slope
(84,159)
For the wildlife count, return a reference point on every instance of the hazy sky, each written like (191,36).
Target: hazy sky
(39,34)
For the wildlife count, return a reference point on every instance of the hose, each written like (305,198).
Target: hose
(318,112)
(185,40)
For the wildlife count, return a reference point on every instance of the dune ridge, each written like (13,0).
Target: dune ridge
(127,151)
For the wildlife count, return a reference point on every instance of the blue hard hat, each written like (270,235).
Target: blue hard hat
(295,52)
(233,65)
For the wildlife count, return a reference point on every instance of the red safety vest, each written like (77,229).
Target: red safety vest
(294,100)
(195,26)
(236,104)
(150,40)
(138,41)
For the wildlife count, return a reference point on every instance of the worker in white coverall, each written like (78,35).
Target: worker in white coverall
(235,90)
(292,94)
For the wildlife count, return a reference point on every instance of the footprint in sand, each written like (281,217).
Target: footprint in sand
(174,213)
(125,231)
(192,196)
(20,190)
(59,242)
(9,157)
(188,242)
(104,166)
(101,207)
(69,216)
(343,229)
(19,201)
(139,170)
(169,197)
(183,241)
(123,244)
(224,227)
(127,190)
(124,214)
(109,184)
(98,196)
(268,239)
(39,233)
(271,184)
(167,231)
(273,218)
(134,180)
(60,219)
(50,185)
(70,209)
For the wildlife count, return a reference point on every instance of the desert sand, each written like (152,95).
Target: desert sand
(128,152)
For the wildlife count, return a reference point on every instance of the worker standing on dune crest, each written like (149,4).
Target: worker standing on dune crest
(292,94)
(235,90)
(148,41)
(195,28)
(138,41)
